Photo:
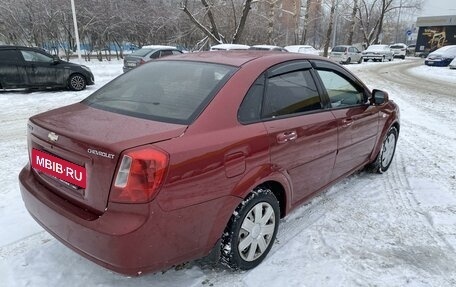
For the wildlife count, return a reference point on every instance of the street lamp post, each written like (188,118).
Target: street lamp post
(76,34)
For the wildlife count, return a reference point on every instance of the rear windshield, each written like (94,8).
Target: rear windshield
(142,52)
(339,49)
(167,91)
(376,48)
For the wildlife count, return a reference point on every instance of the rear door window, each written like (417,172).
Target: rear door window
(32,56)
(165,53)
(9,56)
(291,93)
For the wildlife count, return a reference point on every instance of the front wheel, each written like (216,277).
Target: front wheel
(77,82)
(360,60)
(251,231)
(386,154)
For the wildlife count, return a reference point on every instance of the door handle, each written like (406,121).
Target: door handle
(287,136)
(347,122)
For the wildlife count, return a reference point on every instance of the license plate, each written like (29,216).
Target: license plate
(131,64)
(59,168)
(430,63)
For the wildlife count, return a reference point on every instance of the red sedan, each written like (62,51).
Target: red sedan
(200,154)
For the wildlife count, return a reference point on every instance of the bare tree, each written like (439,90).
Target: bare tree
(371,16)
(330,27)
(211,30)
(352,22)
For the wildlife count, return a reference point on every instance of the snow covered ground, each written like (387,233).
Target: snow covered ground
(394,229)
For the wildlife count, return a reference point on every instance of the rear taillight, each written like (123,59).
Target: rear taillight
(141,61)
(140,175)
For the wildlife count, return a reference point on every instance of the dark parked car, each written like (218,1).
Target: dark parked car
(200,154)
(24,67)
(441,57)
(146,54)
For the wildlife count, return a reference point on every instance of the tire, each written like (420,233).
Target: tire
(77,82)
(383,59)
(384,158)
(348,61)
(360,60)
(248,238)
(365,60)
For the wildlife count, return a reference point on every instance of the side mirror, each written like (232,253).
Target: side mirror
(379,97)
(55,60)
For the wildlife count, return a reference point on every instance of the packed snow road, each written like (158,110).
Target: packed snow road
(394,229)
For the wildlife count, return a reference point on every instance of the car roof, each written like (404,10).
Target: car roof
(446,48)
(266,46)
(299,46)
(239,58)
(158,47)
(230,47)
(19,47)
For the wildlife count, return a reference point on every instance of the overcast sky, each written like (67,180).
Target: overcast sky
(439,7)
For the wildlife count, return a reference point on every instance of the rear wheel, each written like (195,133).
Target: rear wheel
(77,82)
(386,154)
(251,231)
(348,60)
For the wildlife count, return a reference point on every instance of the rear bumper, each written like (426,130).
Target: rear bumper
(338,59)
(126,69)
(127,238)
(373,57)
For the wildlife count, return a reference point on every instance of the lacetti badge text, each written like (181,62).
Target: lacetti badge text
(59,168)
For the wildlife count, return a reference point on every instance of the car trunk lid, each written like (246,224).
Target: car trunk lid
(92,139)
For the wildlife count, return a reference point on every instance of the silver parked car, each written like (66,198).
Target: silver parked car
(376,53)
(148,53)
(345,54)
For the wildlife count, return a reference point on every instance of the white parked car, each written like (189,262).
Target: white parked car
(304,49)
(399,50)
(346,54)
(376,53)
(229,47)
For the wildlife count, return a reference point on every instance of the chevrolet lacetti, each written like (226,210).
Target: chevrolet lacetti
(200,154)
